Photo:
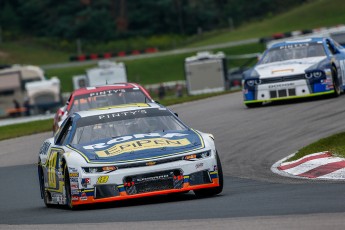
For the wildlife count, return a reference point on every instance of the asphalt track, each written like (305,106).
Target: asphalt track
(249,141)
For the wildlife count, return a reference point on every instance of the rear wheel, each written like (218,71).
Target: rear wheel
(207,192)
(67,188)
(45,195)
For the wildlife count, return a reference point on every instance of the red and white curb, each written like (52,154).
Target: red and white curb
(317,166)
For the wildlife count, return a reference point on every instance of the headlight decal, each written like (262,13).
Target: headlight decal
(197,156)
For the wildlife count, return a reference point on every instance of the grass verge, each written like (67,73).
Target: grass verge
(23,129)
(334,144)
(18,130)
(156,69)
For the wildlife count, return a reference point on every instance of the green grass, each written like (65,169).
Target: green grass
(153,70)
(18,130)
(315,14)
(28,52)
(334,144)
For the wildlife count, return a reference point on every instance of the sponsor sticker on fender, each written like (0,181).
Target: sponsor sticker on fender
(143,144)
(74,174)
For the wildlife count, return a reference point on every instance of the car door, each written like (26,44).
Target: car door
(53,163)
(53,169)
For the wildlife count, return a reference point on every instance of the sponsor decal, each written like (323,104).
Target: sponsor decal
(143,144)
(74,192)
(56,198)
(282,85)
(73,179)
(199,165)
(74,175)
(83,196)
(293,46)
(74,186)
(85,182)
(44,148)
(282,70)
(72,169)
(153,178)
(107,92)
(121,114)
(102,179)
(126,138)
(75,198)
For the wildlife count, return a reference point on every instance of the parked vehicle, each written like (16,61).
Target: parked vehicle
(27,86)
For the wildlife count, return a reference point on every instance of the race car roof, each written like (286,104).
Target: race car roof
(310,40)
(93,89)
(119,108)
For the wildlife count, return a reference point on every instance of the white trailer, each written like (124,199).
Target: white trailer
(16,80)
(44,95)
(206,73)
(105,73)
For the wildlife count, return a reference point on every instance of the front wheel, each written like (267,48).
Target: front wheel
(45,195)
(207,192)
(67,188)
(254,105)
(336,84)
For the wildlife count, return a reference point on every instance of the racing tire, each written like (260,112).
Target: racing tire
(208,192)
(336,84)
(45,195)
(67,188)
(254,105)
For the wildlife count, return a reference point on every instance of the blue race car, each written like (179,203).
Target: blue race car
(296,69)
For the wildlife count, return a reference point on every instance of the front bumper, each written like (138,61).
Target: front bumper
(145,181)
(286,91)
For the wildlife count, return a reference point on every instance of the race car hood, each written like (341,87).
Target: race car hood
(284,68)
(140,147)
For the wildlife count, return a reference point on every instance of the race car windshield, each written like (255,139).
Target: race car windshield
(107,98)
(122,124)
(293,51)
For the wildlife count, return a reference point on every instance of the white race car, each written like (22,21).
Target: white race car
(295,69)
(126,152)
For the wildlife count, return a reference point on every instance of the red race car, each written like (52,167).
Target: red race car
(101,96)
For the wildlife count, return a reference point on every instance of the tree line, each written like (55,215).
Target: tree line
(104,20)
